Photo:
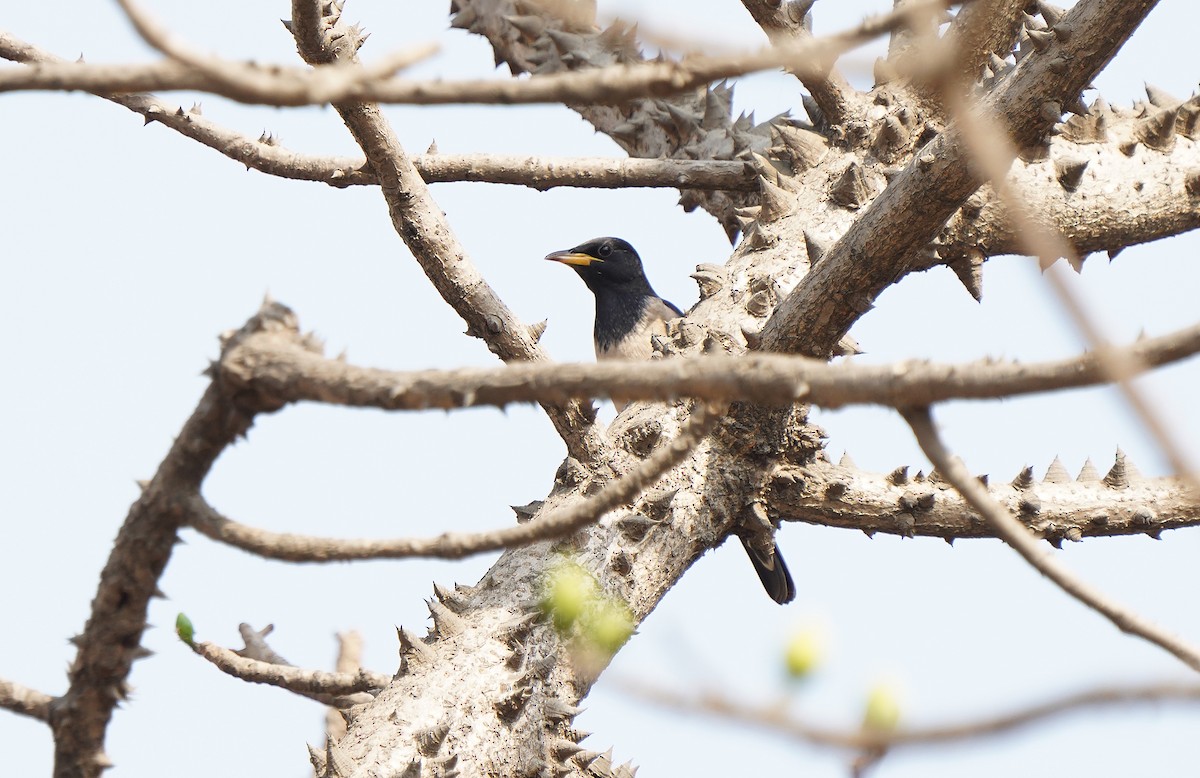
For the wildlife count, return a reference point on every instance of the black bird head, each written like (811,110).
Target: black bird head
(606,265)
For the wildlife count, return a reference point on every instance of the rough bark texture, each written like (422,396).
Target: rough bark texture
(111,640)
(494,684)
(699,125)
(874,186)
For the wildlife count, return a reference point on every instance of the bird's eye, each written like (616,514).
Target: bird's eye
(604,250)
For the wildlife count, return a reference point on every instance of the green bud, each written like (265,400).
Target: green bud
(185,630)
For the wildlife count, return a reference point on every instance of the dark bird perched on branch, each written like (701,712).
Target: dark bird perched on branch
(628,314)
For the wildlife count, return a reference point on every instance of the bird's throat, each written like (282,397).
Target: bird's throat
(618,315)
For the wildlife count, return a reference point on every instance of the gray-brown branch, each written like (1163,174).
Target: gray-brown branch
(775,719)
(111,639)
(784,21)
(310,683)
(266,155)
(873,254)
(25,701)
(1055,508)
(551,525)
(1005,524)
(281,365)
(279,86)
(423,227)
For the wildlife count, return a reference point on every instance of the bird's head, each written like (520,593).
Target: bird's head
(606,264)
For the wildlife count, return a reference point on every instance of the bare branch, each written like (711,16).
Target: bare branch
(616,84)
(914,505)
(267,156)
(784,21)
(257,649)
(257,646)
(252,84)
(279,366)
(309,683)
(423,226)
(555,524)
(25,701)
(775,718)
(1012,532)
(592,172)
(111,640)
(982,29)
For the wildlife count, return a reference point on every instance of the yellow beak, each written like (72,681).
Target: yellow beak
(573,258)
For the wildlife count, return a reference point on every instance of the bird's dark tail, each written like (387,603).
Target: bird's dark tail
(773,573)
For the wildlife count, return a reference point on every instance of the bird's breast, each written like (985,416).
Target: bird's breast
(633,339)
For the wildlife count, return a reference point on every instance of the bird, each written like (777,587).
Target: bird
(628,312)
(628,315)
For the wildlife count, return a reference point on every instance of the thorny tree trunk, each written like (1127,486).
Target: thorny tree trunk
(848,204)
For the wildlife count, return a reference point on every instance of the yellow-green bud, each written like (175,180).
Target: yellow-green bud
(883,708)
(185,630)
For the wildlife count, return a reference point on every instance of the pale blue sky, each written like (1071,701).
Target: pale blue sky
(128,249)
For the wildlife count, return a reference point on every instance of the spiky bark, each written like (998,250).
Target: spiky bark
(492,690)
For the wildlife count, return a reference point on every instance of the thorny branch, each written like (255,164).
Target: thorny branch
(992,152)
(872,254)
(1057,508)
(981,30)
(266,155)
(423,226)
(785,21)
(111,640)
(1012,532)
(279,365)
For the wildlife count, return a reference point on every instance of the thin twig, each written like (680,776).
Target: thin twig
(257,646)
(267,156)
(557,523)
(774,717)
(295,679)
(1012,532)
(615,84)
(251,81)
(259,650)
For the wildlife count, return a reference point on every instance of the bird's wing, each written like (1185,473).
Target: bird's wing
(675,313)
